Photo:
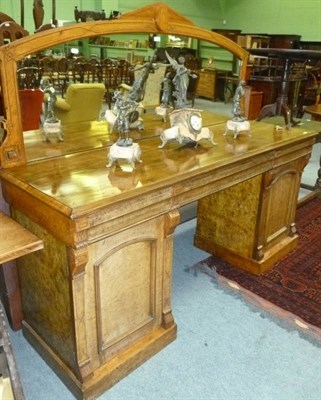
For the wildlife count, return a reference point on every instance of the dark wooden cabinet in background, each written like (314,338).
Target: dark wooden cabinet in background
(268,86)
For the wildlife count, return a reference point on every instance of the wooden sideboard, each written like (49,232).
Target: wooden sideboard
(97,298)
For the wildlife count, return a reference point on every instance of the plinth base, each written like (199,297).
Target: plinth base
(163,112)
(130,153)
(255,267)
(236,127)
(108,374)
(53,129)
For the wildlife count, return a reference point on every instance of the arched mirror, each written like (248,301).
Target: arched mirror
(138,35)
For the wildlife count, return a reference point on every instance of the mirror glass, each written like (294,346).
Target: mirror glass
(96,60)
(48,113)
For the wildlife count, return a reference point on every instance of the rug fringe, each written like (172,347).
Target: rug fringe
(283,318)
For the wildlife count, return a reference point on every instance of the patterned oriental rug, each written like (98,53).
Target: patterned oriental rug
(291,290)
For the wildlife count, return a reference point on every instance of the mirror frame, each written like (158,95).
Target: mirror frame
(156,18)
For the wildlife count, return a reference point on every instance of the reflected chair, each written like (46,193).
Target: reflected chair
(47,65)
(94,70)
(61,76)
(29,77)
(82,103)
(79,69)
(109,76)
(114,74)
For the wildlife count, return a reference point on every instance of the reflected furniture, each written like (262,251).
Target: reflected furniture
(226,84)
(252,103)
(114,73)
(29,77)
(82,103)
(282,84)
(206,84)
(31,101)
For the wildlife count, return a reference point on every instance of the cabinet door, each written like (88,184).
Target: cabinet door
(251,224)
(128,290)
(278,206)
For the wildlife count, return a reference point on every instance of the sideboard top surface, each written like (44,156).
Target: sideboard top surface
(76,183)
